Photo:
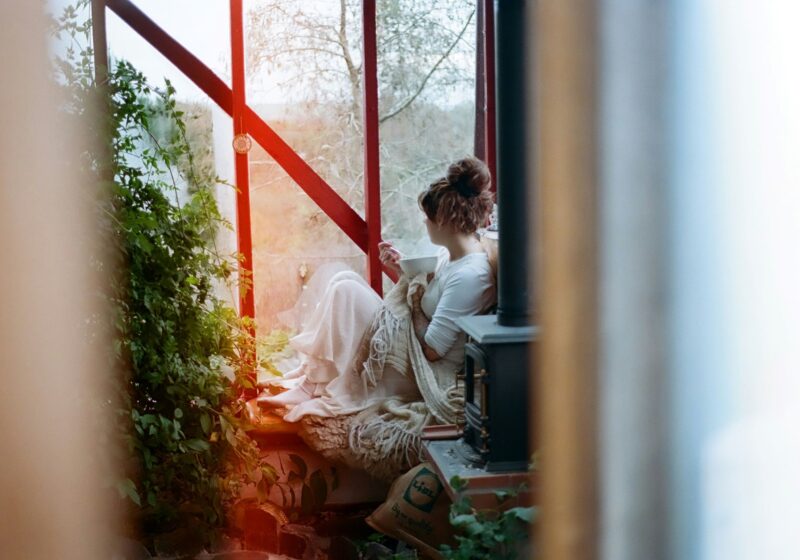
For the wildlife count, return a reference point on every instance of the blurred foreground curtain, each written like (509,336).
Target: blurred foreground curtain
(667,164)
(50,506)
(734,189)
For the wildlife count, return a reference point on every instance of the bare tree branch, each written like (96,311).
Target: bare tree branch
(260,59)
(386,42)
(351,68)
(404,105)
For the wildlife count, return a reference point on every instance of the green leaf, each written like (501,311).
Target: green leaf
(457,483)
(503,496)
(198,445)
(524,514)
(230,436)
(467,523)
(128,488)
(269,473)
(301,465)
(205,423)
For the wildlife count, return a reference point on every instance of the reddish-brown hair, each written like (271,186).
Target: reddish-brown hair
(461,198)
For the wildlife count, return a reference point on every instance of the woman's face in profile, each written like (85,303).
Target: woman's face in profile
(428,226)
(434,230)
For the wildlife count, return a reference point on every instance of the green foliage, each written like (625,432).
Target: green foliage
(273,347)
(178,413)
(488,535)
(403,552)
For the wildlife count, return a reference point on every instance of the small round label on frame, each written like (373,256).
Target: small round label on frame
(242,143)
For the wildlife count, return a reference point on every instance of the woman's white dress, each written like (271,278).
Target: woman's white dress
(335,330)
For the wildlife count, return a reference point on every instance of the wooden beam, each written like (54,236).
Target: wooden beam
(566,46)
(99,42)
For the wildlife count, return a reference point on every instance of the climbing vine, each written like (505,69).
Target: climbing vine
(180,355)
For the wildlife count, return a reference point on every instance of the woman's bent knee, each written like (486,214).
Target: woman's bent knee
(345,276)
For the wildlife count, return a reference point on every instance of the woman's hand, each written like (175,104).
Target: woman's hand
(419,291)
(389,256)
(416,296)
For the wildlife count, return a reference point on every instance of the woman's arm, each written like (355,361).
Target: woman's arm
(421,322)
(462,294)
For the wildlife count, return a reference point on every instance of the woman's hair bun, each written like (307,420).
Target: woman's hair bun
(461,199)
(469,176)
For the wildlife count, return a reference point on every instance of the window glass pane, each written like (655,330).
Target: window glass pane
(303,78)
(303,63)
(292,240)
(209,129)
(303,66)
(201,26)
(426,77)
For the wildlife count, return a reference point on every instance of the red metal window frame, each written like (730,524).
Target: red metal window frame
(247,306)
(372,171)
(365,234)
(484,141)
(486,34)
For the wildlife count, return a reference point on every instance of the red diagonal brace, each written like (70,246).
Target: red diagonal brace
(315,186)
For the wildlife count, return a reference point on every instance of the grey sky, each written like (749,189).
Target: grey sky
(202,26)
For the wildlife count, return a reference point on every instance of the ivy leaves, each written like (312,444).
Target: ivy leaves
(175,334)
(178,415)
(488,534)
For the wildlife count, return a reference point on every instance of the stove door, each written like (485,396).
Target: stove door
(476,398)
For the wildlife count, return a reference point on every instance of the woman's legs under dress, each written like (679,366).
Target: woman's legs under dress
(336,326)
(331,336)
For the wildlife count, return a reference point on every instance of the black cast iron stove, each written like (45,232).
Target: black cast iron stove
(497,393)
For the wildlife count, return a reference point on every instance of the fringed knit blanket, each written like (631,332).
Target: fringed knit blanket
(384,438)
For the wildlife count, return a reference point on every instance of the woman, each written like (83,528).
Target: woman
(361,352)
